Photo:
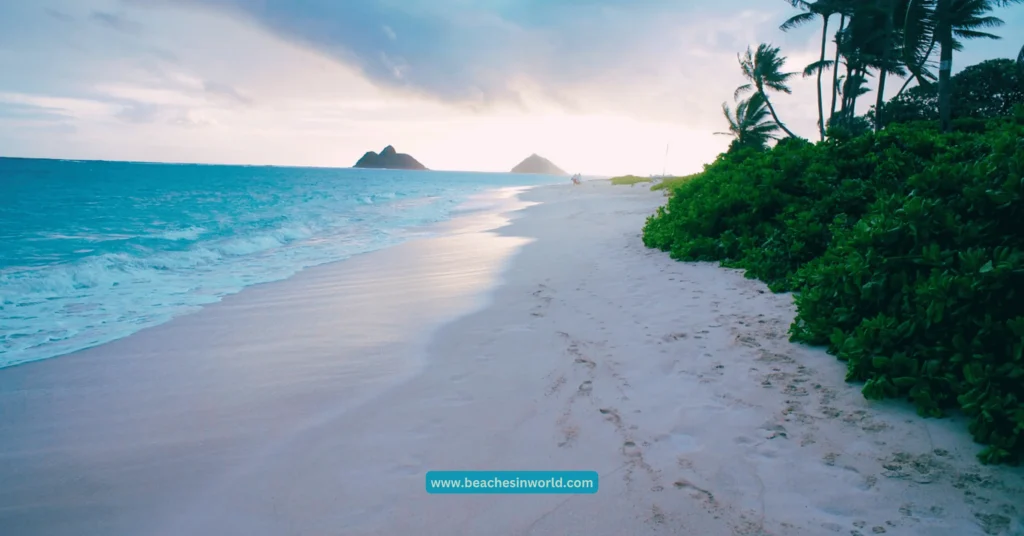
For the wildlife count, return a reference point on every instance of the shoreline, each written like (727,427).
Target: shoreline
(496,204)
(676,382)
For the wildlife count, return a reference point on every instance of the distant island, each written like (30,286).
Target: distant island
(538,165)
(389,159)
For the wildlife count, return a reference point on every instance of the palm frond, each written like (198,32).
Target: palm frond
(980,22)
(971,34)
(741,90)
(797,21)
(816,67)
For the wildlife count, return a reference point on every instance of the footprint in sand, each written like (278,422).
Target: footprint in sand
(569,435)
(584,361)
(774,430)
(696,492)
(922,469)
(657,515)
(612,415)
(674,337)
(555,385)
(794,390)
(748,341)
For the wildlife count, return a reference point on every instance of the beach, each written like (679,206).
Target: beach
(541,336)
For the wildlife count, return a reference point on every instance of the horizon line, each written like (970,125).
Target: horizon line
(292,166)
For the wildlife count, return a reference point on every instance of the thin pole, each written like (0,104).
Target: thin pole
(664,162)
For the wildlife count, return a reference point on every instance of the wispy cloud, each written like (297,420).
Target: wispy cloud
(486,51)
(31,112)
(58,14)
(224,91)
(116,22)
(164,55)
(139,112)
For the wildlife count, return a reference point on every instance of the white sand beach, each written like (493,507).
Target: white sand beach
(565,345)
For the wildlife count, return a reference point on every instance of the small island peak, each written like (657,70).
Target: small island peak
(389,158)
(536,164)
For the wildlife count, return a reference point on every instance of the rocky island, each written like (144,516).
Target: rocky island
(389,159)
(538,165)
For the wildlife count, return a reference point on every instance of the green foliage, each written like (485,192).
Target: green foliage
(669,184)
(629,180)
(750,124)
(845,127)
(906,252)
(984,91)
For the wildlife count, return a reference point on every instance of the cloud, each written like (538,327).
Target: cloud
(59,15)
(139,112)
(496,51)
(192,119)
(31,112)
(164,55)
(116,22)
(224,91)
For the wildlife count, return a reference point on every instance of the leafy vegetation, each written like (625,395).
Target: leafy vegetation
(983,91)
(629,180)
(749,124)
(669,184)
(900,230)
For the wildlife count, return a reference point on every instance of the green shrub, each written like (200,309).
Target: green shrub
(629,180)
(669,184)
(906,249)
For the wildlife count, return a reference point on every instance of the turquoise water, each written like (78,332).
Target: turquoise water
(94,251)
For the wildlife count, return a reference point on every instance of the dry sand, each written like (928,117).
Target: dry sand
(675,381)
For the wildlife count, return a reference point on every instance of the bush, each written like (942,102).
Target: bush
(629,180)
(669,184)
(906,249)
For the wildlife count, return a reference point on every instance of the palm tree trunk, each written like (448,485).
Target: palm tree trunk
(880,101)
(776,117)
(945,66)
(847,91)
(824,46)
(883,69)
(855,90)
(1020,61)
(835,67)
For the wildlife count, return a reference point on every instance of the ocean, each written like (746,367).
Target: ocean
(95,251)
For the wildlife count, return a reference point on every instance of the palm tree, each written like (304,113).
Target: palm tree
(885,60)
(763,69)
(750,125)
(858,46)
(824,9)
(852,85)
(1020,61)
(960,19)
(875,39)
(836,88)
(919,41)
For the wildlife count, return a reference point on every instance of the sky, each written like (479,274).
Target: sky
(600,87)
